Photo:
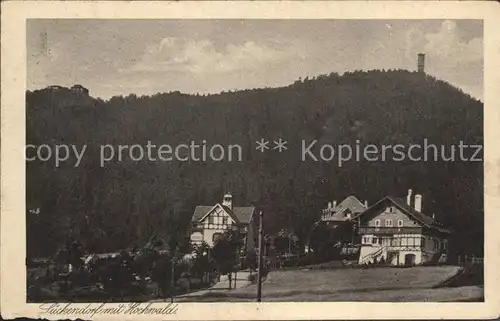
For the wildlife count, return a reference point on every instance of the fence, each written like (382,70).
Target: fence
(464,259)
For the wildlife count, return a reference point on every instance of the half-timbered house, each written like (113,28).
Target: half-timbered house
(210,222)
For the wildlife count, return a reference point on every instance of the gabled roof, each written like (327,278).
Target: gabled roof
(350,203)
(238,214)
(401,204)
(420,217)
(242,213)
(200,211)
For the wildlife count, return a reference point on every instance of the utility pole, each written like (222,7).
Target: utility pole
(261,250)
(290,244)
(172,273)
(172,281)
(352,235)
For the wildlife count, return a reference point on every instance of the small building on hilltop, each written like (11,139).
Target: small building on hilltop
(395,231)
(79,89)
(210,222)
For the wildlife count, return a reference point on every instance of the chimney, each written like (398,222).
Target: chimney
(366,203)
(329,205)
(408,198)
(421,62)
(418,202)
(434,215)
(228,200)
(334,205)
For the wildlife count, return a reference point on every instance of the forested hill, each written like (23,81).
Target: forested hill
(124,203)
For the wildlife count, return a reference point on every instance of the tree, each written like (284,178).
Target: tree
(226,253)
(251,259)
(130,200)
(202,263)
(161,273)
(324,241)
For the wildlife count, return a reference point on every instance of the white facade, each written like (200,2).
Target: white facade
(395,248)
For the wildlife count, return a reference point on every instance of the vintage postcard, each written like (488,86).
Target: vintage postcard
(250,160)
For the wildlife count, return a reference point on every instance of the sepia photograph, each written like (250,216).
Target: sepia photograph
(248,160)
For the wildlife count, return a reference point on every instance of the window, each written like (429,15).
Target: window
(388,223)
(400,223)
(224,220)
(380,240)
(377,223)
(374,240)
(211,219)
(423,242)
(390,209)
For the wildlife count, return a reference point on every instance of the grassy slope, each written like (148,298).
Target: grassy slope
(383,284)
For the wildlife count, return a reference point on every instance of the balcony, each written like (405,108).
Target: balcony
(389,230)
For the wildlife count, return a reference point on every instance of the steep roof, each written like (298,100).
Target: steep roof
(351,203)
(400,203)
(242,213)
(238,214)
(200,211)
(422,218)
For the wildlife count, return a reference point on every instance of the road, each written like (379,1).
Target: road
(221,287)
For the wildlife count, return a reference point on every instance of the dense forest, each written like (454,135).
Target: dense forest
(123,203)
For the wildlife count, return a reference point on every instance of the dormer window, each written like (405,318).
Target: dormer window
(400,223)
(377,223)
(388,223)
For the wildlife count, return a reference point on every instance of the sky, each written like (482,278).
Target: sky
(120,57)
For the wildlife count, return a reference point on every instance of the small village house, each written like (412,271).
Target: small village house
(338,218)
(210,222)
(396,231)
